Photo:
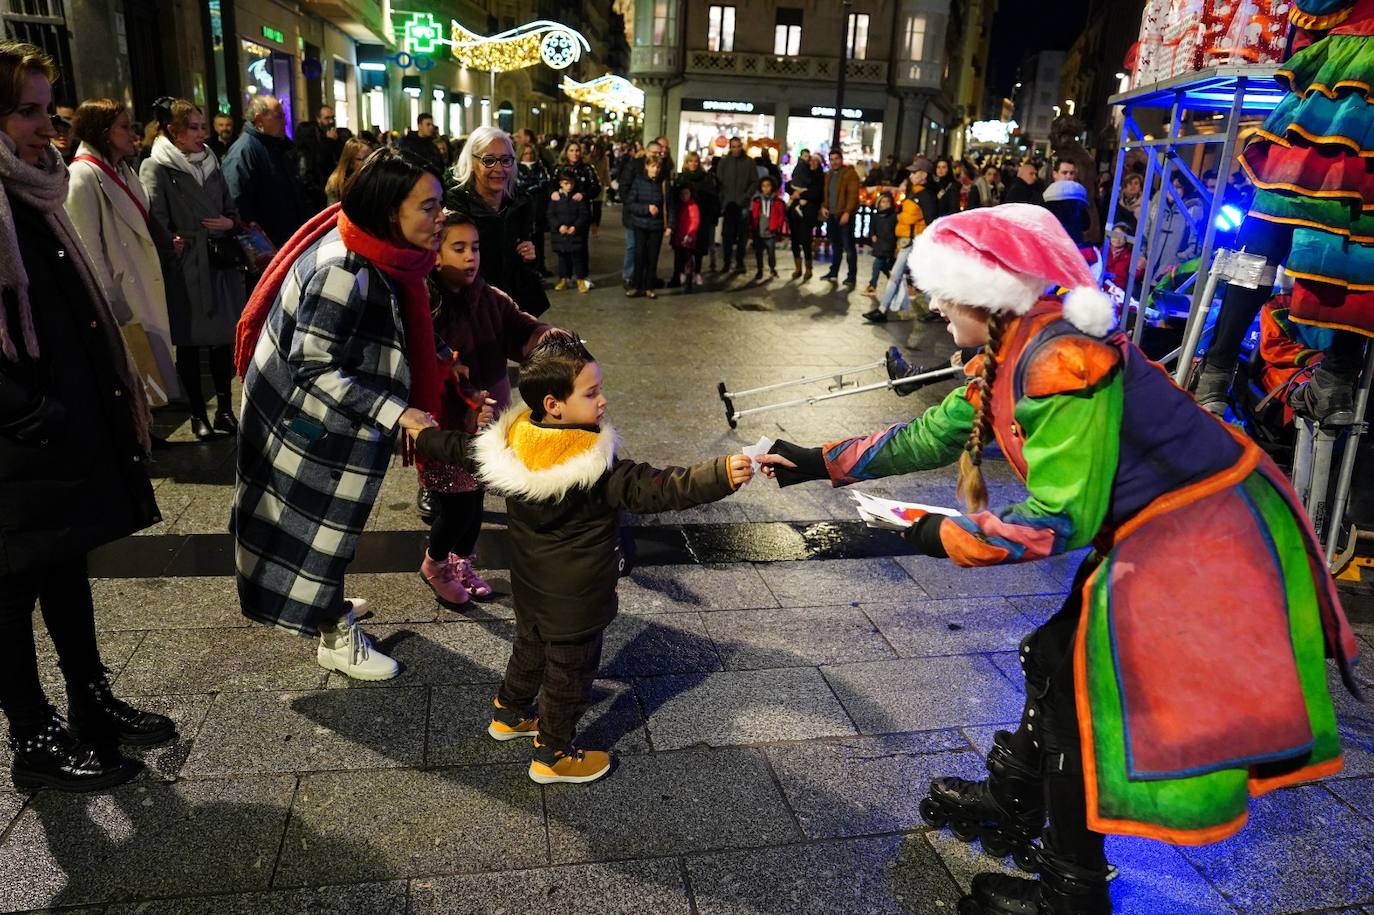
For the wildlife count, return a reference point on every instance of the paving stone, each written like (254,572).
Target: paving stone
(1357,792)
(623,888)
(394,598)
(684,589)
(1009,663)
(867,785)
(669,804)
(942,578)
(741,707)
(459,715)
(209,660)
(921,629)
(1355,721)
(839,581)
(350,899)
(638,646)
(167,603)
(806,636)
(412,824)
(765,502)
(149,840)
(431,653)
(1038,608)
(10,805)
(1156,878)
(1292,836)
(964,860)
(116,648)
(258,731)
(893,875)
(884,697)
(726,512)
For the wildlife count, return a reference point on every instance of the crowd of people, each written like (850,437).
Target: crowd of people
(388,318)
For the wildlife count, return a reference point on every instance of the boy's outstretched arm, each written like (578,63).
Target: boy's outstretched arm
(646,490)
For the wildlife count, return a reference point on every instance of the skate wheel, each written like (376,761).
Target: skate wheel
(932,814)
(1027,860)
(963,830)
(995,845)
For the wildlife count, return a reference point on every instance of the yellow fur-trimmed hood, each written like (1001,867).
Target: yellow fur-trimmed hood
(516,457)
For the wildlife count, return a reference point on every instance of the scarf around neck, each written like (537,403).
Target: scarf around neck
(404,265)
(199,165)
(44,187)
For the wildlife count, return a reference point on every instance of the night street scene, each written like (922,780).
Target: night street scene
(660,457)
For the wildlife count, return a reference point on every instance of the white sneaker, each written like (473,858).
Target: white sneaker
(344,647)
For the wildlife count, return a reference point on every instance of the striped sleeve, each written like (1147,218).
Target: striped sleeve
(932,440)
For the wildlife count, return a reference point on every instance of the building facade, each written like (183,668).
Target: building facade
(1095,68)
(767,71)
(1038,100)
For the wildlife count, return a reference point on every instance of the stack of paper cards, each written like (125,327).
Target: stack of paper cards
(888,514)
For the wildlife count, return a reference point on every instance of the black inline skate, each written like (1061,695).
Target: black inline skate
(1064,888)
(1006,812)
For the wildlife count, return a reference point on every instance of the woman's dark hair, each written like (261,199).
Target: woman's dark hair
(19,59)
(551,369)
(173,114)
(454,218)
(92,122)
(378,189)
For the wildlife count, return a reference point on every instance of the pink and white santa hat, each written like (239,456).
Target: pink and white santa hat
(1004,258)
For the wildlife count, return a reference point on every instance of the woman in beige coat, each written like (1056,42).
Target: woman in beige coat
(109,208)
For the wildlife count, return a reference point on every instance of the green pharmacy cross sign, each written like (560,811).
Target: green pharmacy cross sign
(422,34)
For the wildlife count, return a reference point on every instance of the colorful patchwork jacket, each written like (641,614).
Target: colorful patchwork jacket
(1200,659)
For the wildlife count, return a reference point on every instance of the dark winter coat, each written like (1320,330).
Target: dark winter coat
(564,519)
(424,149)
(323,399)
(72,472)
(946,191)
(642,193)
(738,179)
(811,182)
(1019,191)
(565,211)
(882,225)
(205,310)
(533,181)
(500,233)
(586,182)
(261,174)
(706,194)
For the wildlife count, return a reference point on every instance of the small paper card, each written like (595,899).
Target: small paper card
(888,514)
(757,450)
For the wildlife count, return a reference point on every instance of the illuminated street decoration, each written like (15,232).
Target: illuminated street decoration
(609,92)
(422,34)
(551,43)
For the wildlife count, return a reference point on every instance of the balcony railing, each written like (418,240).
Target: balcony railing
(825,69)
(654,61)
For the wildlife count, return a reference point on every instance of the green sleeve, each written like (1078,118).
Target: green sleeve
(935,439)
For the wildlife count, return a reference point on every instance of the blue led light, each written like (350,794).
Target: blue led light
(1229,218)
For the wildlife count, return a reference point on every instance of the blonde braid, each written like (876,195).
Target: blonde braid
(972,489)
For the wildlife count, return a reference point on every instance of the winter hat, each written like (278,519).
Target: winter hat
(921,164)
(1066,190)
(1123,228)
(1003,258)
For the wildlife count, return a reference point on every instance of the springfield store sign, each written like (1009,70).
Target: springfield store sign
(727,106)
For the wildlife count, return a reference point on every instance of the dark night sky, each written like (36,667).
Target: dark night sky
(1024,26)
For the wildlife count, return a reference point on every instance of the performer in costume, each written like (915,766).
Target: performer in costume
(1312,164)
(1147,713)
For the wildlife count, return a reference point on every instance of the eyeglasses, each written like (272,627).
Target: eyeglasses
(493,161)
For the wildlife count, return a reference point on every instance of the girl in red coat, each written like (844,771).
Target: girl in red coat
(768,222)
(686,225)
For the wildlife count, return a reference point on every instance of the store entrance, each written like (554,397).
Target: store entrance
(268,72)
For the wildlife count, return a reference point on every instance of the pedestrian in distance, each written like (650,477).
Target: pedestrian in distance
(479,328)
(738,179)
(349,360)
(882,238)
(187,193)
(555,462)
(840,202)
(1027,187)
(355,151)
(687,226)
(706,195)
(420,142)
(74,442)
(767,223)
(804,192)
(1147,713)
(570,220)
(261,175)
(987,191)
(646,203)
(534,182)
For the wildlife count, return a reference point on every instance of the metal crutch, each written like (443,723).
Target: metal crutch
(733,415)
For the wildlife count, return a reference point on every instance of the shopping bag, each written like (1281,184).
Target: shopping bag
(136,338)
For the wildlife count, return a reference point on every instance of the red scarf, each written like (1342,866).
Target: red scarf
(405,266)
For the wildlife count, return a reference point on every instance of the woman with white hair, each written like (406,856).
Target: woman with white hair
(484,192)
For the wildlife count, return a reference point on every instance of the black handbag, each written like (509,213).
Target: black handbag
(225,252)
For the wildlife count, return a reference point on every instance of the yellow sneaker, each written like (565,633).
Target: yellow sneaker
(584,286)
(508,724)
(562,283)
(550,766)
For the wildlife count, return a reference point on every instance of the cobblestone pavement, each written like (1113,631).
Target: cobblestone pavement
(776,719)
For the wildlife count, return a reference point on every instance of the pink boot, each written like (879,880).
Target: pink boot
(444,581)
(475,583)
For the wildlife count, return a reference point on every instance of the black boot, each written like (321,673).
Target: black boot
(1005,811)
(1064,888)
(1326,398)
(99,717)
(200,428)
(424,504)
(50,757)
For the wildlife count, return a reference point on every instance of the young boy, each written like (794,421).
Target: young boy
(882,228)
(556,463)
(768,220)
(570,220)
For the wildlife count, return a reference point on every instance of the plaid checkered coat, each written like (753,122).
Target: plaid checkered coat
(322,398)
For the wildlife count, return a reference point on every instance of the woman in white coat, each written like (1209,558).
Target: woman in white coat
(108,206)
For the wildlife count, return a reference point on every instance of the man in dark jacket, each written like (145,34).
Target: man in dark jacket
(839,204)
(420,142)
(556,464)
(261,173)
(738,180)
(1027,188)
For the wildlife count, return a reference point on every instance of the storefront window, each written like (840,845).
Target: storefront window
(378,112)
(439,112)
(217,52)
(708,133)
(457,117)
(269,73)
(343,105)
(505,117)
(859,139)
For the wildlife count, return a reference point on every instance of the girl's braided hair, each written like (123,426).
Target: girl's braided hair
(972,489)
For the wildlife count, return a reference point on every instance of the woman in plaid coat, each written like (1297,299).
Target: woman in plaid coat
(337,353)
